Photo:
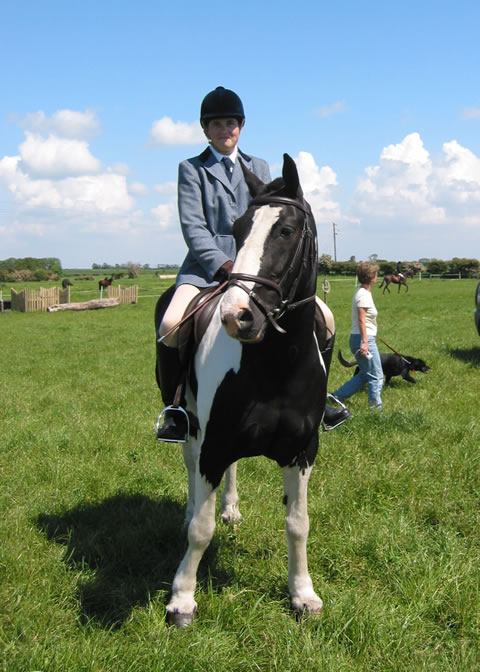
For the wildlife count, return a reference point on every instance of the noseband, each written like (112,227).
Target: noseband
(286,302)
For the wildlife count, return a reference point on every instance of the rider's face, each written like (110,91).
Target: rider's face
(223,134)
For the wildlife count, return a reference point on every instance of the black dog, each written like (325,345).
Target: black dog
(394,365)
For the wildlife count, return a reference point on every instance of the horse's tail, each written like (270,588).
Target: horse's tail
(344,362)
(383,280)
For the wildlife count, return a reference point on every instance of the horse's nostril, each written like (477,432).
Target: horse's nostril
(244,317)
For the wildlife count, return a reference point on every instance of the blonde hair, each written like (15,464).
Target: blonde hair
(366,271)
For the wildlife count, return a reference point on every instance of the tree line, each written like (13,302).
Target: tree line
(30,269)
(50,268)
(467,268)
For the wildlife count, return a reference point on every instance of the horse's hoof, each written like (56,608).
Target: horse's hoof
(301,614)
(311,607)
(180,620)
(231,515)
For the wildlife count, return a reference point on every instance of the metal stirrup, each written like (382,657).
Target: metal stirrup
(180,410)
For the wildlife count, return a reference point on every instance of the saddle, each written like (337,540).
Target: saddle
(191,330)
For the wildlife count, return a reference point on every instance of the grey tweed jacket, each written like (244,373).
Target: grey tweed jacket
(208,204)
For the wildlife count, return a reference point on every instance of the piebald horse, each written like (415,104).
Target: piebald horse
(259,385)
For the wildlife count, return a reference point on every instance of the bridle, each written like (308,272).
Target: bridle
(286,303)
(237,279)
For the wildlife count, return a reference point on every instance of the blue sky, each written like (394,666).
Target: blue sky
(378,102)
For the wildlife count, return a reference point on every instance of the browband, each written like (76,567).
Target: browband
(283,200)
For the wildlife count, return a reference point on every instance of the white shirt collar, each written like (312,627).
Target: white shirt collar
(219,157)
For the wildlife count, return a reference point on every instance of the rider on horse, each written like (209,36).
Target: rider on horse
(398,269)
(212,194)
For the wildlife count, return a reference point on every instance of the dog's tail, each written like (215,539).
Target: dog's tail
(344,362)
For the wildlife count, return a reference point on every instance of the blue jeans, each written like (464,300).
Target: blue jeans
(370,373)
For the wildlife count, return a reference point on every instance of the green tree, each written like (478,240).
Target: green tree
(325,264)
(466,267)
(437,267)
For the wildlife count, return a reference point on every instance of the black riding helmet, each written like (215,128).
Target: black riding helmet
(221,103)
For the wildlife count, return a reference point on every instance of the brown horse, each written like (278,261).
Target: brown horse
(395,280)
(105,283)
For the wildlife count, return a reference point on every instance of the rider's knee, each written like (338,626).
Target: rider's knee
(327,316)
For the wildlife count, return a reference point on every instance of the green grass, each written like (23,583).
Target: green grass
(92,508)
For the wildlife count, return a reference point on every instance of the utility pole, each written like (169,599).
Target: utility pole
(334,242)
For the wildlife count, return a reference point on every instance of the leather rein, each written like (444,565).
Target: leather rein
(286,302)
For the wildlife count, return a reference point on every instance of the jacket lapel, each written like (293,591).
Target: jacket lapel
(216,169)
(237,168)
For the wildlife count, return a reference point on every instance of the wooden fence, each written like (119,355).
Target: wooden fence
(125,294)
(29,300)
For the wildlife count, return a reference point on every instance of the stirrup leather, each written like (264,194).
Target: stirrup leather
(158,424)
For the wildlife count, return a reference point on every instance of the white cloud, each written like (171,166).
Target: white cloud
(137,189)
(56,157)
(460,165)
(400,185)
(165,215)
(120,168)
(168,188)
(62,199)
(165,131)
(408,188)
(105,193)
(63,123)
(471,113)
(61,174)
(331,110)
(318,185)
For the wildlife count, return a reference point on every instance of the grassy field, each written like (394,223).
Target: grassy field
(92,508)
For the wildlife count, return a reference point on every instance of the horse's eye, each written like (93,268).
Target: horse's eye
(287,231)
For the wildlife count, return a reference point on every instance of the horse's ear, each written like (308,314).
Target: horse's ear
(254,184)
(290,177)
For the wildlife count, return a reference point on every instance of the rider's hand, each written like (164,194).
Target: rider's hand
(224,271)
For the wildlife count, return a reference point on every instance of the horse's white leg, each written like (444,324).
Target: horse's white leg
(229,500)
(182,605)
(303,597)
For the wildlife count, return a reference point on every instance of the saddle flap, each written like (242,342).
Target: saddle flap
(191,331)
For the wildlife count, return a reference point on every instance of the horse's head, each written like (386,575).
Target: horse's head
(275,267)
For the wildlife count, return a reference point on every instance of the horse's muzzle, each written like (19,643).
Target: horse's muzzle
(243,325)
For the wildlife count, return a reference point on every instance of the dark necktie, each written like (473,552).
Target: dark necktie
(228,165)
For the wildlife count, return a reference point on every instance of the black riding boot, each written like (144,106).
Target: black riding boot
(333,417)
(169,372)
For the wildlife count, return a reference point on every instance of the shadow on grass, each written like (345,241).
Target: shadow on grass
(467,355)
(132,546)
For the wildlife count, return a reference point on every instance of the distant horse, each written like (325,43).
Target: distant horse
(66,283)
(394,280)
(258,385)
(105,283)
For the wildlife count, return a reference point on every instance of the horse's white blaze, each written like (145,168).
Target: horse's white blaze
(249,257)
(228,354)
